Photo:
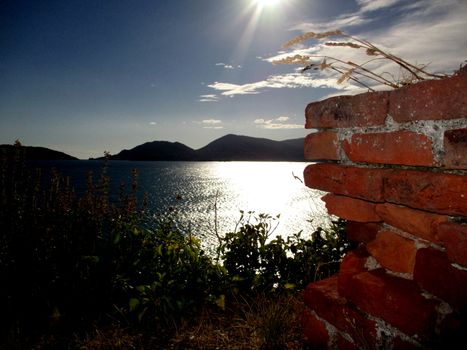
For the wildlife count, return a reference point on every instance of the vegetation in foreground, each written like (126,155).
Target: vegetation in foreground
(86,273)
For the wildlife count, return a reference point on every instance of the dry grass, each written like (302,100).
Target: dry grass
(113,338)
(253,323)
(256,323)
(358,72)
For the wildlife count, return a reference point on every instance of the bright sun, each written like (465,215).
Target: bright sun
(266,3)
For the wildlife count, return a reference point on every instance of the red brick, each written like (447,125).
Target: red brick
(323,294)
(361,231)
(435,192)
(396,300)
(352,264)
(400,147)
(434,272)
(416,222)
(359,327)
(430,100)
(349,181)
(454,238)
(350,208)
(455,149)
(322,145)
(393,252)
(324,299)
(315,331)
(366,109)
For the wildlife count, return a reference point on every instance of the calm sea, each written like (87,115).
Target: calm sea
(195,189)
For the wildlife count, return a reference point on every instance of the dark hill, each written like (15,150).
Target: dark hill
(226,148)
(234,147)
(157,150)
(36,153)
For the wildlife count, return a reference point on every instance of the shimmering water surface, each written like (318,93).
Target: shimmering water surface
(196,188)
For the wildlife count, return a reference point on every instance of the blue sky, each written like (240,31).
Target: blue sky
(88,76)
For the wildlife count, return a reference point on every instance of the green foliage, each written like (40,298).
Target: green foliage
(68,263)
(65,260)
(257,263)
(56,249)
(165,275)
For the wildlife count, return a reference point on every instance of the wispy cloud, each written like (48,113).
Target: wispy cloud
(277,123)
(423,32)
(282,119)
(209,98)
(433,33)
(359,17)
(212,124)
(228,66)
(420,31)
(290,80)
(373,5)
(152,123)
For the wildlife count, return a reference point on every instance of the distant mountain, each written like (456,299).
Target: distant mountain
(235,147)
(227,148)
(157,150)
(36,153)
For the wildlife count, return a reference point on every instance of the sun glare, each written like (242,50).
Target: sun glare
(266,3)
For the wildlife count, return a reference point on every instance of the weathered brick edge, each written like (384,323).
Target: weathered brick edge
(395,166)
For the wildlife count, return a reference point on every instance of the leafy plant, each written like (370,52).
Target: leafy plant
(358,72)
(69,263)
(256,263)
(170,277)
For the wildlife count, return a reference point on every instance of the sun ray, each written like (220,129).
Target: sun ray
(254,10)
(266,3)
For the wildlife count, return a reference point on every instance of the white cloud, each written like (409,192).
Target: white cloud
(373,5)
(212,121)
(228,66)
(340,22)
(212,124)
(208,98)
(433,34)
(277,123)
(348,19)
(152,123)
(424,32)
(419,31)
(290,80)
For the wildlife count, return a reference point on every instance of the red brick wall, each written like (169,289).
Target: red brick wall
(395,166)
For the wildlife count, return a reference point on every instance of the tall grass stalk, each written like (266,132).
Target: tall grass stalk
(358,72)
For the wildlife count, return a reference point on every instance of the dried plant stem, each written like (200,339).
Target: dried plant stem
(352,78)
(404,64)
(348,69)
